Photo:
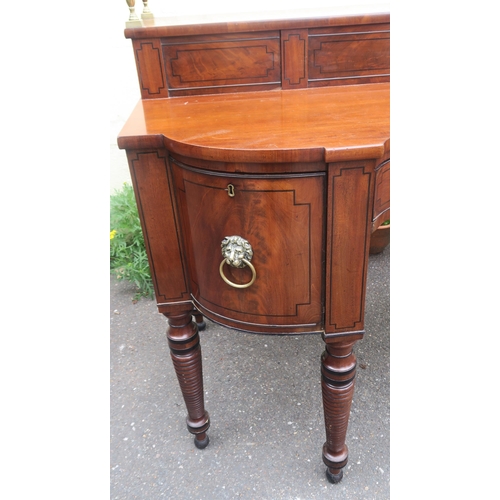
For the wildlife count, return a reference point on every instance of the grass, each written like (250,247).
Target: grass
(128,257)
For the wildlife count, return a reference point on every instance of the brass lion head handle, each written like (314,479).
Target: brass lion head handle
(235,249)
(237,252)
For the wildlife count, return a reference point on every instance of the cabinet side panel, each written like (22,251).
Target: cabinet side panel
(382,201)
(157,213)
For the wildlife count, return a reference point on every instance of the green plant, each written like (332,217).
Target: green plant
(128,257)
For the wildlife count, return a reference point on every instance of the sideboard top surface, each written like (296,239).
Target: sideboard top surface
(163,27)
(319,124)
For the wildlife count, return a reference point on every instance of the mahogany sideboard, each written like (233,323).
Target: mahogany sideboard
(259,156)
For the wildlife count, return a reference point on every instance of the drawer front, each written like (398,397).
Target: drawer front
(282,219)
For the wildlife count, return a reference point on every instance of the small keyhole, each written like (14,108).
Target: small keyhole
(230,190)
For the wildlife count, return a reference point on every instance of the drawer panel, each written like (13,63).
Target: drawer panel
(282,219)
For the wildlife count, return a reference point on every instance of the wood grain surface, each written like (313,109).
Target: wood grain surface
(321,124)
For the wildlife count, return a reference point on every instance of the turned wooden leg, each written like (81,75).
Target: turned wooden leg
(338,369)
(184,343)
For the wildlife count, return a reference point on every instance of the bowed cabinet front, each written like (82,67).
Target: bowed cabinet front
(282,217)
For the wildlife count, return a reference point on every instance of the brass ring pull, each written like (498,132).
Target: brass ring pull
(244,285)
(237,252)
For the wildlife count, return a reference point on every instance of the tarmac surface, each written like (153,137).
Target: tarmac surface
(263,394)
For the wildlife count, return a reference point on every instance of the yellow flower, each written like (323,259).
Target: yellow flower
(112,234)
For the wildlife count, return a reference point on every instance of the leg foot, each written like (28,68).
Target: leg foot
(334,478)
(200,322)
(201,443)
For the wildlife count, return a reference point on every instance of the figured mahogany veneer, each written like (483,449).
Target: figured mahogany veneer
(274,213)
(261,55)
(277,132)
(307,125)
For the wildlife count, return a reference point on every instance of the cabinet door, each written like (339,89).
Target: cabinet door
(282,217)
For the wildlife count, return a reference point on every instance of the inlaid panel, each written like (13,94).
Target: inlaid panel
(350,55)
(294,57)
(347,251)
(261,55)
(149,63)
(222,64)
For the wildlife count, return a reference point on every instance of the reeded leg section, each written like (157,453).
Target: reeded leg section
(185,350)
(338,369)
